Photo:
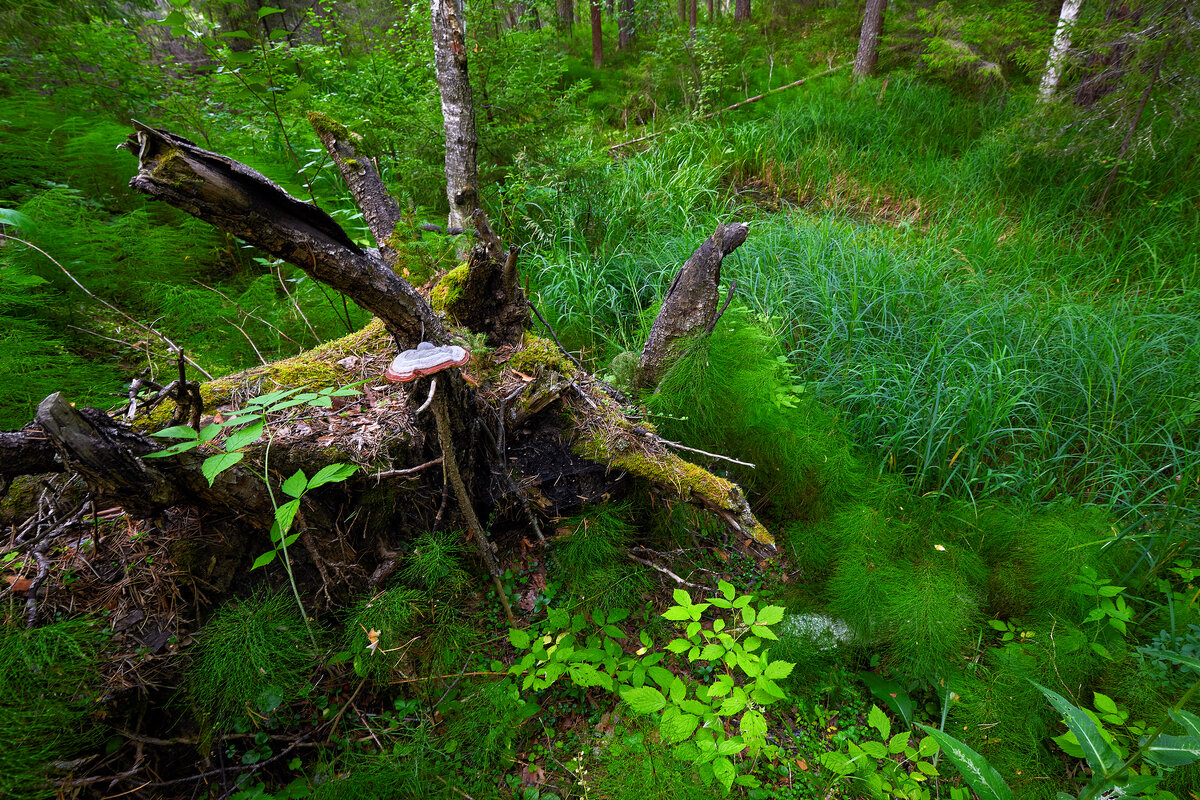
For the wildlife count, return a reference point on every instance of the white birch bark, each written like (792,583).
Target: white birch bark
(458,111)
(1059,48)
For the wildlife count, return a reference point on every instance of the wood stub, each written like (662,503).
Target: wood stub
(691,304)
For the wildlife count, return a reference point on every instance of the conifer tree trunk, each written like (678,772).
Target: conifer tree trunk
(692,4)
(458,111)
(1059,48)
(566,14)
(712,15)
(868,39)
(597,36)
(741,11)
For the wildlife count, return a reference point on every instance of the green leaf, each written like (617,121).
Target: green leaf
(725,772)
(976,771)
(1191,662)
(874,749)
(267,11)
(644,700)
(236,35)
(733,704)
(271,397)
(836,762)
(1104,703)
(891,693)
(748,615)
(682,598)
(726,589)
(10,216)
(754,726)
(239,439)
(215,465)
(676,726)
(1098,752)
(333,473)
(778,670)
(770,615)
(518,638)
(677,690)
(173,450)
(677,614)
(662,676)
(711,652)
(678,646)
(177,432)
(899,742)
(285,515)
(174,18)
(211,430)
(879,721)
(1173,751)
(264,559)
(295,485)
(586,675)
(1189,721)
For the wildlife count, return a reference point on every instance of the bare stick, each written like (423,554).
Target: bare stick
(395,473)
(554,335)
(279,275)
(668,573)
(721,312)
(679,446)
(246,313)
(174,347)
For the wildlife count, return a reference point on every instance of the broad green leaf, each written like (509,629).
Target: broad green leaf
(726,589)
(891,693)
(733,704)
(519,638)
(1189,721)
(1105,704)
(320,402)
(754,726)
(662,676)
(239,439)
(899,742)
(678,690)
(874,749)
(879,721)
(586,675)
(177,432)
(976,771)
(332,474)
(682,598)
(644,700)
(778,670)
(748,615)
(271,397)
(211,430)
(836,762)
(295,485)
(721,686)
(173,450)
(711,652)
(215,465)
(174,18)
(1191,662)
(10,216)
(725,772)
(1173,751)
(770,615)
(616,615)
(677,614)
(267,11)
(678,645)
(264,559)
(1098,752)
(236,35)
(764,632)
(285,515)
(676,726)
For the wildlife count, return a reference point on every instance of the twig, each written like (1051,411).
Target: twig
(248,339)
(249,314)
(704,452)
(454,788)
(668,573)
(393,473)
(728,298)
(173,347)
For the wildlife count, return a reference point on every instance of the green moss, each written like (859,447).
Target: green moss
(536,353)
(326,125)
(173,169)
(449,289)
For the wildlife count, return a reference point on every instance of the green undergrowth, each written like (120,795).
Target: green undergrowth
(249,659)
(48,677)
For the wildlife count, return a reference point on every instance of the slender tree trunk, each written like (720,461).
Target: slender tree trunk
(1103,71)
(868,39)
(458,111)
(1133,126)
(712,15)
(597,36)
(625,25)
(741,11)
(1059,48)
(610,8)
(692,4)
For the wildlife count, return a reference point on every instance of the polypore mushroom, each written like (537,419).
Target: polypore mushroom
(427,359)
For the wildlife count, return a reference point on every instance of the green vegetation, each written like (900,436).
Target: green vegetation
(963,356)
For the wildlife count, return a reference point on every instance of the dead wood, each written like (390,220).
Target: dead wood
(691,305)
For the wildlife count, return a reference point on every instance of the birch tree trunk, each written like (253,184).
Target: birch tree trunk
(1059,48)
(868,39)
(458,111)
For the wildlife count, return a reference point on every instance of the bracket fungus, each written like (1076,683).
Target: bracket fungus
(425,359)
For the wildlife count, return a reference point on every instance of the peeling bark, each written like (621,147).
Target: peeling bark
(458,111)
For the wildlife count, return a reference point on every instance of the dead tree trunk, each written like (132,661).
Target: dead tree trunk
(691,305)
(458,111)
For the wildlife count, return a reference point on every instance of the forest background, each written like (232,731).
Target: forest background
(964,354)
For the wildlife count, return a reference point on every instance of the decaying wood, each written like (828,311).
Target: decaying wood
(691,304)
(27,452)
(243,202)
(489,299)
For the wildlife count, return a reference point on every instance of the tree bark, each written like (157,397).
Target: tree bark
(1058,49)
(690,306)
(692,5)
(597,36)
(741,11)
(458,111)
(246,204)
(868,39)
(566,14)
(625,21)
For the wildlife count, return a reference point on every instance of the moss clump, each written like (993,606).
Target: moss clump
(252,656)
(326,125)
(536,353)
(449,289)
(173,169)
(48,677)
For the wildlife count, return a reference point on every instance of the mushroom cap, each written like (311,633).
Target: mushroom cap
(425,359)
